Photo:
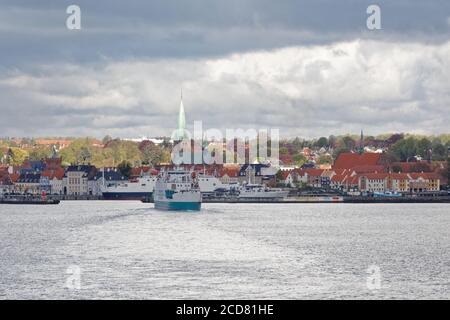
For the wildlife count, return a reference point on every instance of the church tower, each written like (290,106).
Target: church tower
(181,134)
(361,143)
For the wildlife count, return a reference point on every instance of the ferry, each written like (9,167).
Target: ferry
(135,189)
(177,190)
(258,191)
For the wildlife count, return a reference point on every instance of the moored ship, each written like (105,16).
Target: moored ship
(177,190)
(135,189)
(257,191)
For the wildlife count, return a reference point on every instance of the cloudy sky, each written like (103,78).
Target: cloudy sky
(309,68)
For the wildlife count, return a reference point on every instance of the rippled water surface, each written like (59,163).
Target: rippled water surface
(127,250)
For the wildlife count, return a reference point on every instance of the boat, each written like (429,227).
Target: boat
(28,199)
(177,190)
(209,184)
(387,194)
(259,191)
(135,189)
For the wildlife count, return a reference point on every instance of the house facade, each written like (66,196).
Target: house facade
(76,180)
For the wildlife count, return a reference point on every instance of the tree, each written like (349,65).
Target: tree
(325,159)
(439,152)
(299,159)
(16,156)
(125,168)
(279,176)
(349,143)
(322,142)
(340,150)
(423,147)
(404,149)
(84,155)
(106,139)
(151,153)
(40,152)
(332,141)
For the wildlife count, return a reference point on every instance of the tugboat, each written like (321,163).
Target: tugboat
(177,190)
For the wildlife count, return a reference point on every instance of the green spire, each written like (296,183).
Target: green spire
(181,120)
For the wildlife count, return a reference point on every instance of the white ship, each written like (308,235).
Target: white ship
(136,189)
(258,191)
(208,184)
(177,190)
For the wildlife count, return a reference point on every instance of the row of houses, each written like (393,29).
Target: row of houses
(369,173)
(47,175)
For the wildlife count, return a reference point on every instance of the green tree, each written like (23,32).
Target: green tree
(40,152)
(299,159)
(404,149)
(106,139)
(349,143)
(279,176)
(423,147)
(325,159)
(439,152)
(16,156)
(332,140)
(125,168)
(84,155)
(340,150)
(322,142)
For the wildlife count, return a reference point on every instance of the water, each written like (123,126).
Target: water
(127,250)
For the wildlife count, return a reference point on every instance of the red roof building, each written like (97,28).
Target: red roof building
(348,160)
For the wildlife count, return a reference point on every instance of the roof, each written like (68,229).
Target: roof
(90,171)
(368,168)
(348,160)
(29,178)
(285,174)
(375,175)
(418,166)
(424,175)
(110,175)
(229,171)
(52,174)
(338,178)
(314,172)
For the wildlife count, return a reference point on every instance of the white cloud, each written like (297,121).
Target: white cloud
(310,91)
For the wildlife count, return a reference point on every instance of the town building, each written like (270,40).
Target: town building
(76,180)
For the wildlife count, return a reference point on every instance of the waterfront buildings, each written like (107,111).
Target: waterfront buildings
(78,180)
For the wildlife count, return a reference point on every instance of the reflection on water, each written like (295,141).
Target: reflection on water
(293,251)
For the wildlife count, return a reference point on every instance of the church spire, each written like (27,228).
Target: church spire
(181,119)
(361,143)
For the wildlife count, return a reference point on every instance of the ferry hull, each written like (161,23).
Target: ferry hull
(178,206)
(126,195)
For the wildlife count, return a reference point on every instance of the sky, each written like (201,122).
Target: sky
(308,68)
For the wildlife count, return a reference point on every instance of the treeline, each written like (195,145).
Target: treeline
(84,151)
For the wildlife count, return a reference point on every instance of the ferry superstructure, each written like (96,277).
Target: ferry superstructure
(177,190)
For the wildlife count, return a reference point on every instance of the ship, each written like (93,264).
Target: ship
(134,189)
(258,191)
(177,190)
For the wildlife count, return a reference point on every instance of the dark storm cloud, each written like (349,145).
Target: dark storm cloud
(307,67)
(35,30)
